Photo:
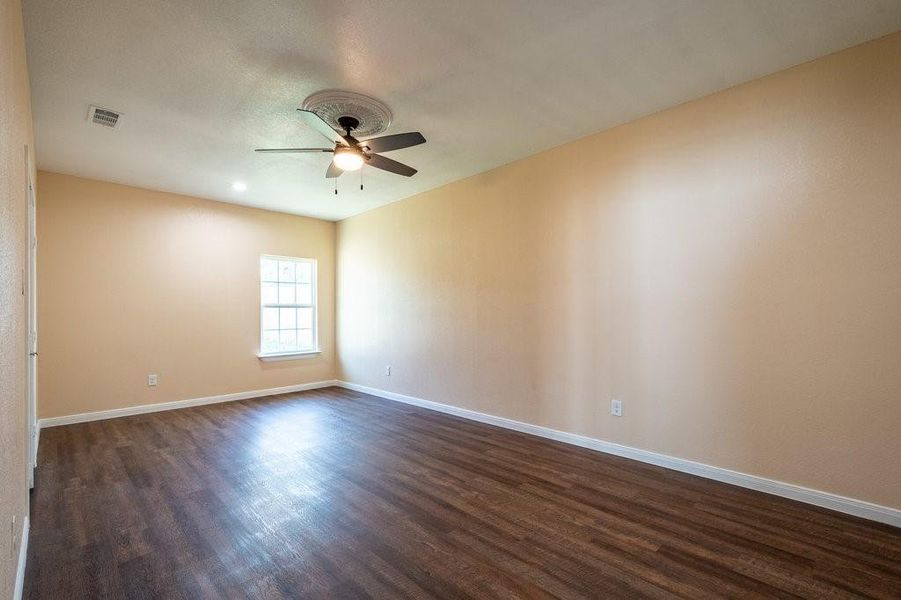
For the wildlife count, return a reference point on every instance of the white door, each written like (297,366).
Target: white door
(32,345)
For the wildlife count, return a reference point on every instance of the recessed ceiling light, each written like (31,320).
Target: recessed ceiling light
(239,186)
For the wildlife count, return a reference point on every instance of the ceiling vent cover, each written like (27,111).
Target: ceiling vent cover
(104,117)
(331,105)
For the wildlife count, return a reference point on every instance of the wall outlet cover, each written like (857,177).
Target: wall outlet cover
(616,408)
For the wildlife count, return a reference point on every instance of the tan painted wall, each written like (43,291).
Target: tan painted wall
(730,269)
(134,281)
(15,135)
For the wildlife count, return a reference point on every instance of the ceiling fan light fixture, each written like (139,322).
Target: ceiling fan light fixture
(349,153)
(348,159)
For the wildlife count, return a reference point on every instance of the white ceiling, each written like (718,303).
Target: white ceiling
(203,82)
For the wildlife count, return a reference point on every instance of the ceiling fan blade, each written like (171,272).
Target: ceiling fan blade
(386,164)
(386,143)
(293,150)
(332,171)
(314,121)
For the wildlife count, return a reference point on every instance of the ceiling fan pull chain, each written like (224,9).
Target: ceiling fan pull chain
(361,180)
(336,186)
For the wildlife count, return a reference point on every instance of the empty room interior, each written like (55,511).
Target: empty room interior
(473,299)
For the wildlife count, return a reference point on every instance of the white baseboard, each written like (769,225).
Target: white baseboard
(149,408)
(23,555)
(851,506)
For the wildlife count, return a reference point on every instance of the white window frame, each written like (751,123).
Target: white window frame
(306,353)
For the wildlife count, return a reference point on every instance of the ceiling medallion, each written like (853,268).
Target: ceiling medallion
(331,105)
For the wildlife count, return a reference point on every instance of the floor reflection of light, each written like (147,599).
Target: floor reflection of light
(288,449)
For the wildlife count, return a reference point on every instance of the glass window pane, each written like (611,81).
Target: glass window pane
(304,272)
(287,318)
(304,318)
(286,293)
(286,271)
(304,293)
(287,340)
(270,318)
(305,339)
(269,293)
(269,269)
(270,341)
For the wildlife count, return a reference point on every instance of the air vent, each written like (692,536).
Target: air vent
(104,117)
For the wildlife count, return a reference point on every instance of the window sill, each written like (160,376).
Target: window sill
(289,355)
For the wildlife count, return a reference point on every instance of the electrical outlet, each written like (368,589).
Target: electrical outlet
(616,408)
(152,379)
(387,371)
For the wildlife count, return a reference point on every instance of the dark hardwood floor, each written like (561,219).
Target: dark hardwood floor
(335,494)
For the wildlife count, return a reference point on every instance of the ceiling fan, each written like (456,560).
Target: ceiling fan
(350,153)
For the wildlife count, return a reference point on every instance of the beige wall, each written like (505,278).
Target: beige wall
(15,136)
(134,282)
(730,269)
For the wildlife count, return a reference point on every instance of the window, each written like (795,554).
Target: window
(287,306)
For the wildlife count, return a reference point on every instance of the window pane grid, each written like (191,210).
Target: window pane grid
(277,305)
(287,305)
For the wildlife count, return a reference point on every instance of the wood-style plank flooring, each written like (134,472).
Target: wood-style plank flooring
(336,494)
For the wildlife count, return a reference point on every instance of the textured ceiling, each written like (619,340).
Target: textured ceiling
(202,83)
